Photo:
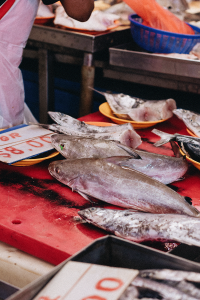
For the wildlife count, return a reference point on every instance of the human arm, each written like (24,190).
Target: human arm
(77,9)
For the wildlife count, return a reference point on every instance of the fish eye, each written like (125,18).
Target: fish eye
(57,170)
(62,146)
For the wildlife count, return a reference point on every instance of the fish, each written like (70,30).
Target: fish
(125,136)
(136,109)
(139,226)
(190,119)
(189,145)
(101,179)
(75,124)
(196,50)
(169,274)
(163,168)
(161,290)
(184,281)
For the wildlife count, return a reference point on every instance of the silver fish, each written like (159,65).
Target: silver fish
(190,119)
(131,108)
(164,168)
(70,122)
(181,280)
(168,274)
(140,226)
(103,180)
(189,144)
(167,292)
(125,136)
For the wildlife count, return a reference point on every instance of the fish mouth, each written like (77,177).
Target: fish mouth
(52,169)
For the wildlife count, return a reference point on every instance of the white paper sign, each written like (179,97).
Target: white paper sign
(23,143)
(83,281)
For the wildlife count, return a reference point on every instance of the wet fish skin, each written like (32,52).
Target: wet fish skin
(190,118)
(140,226)
(128,137)
(163,168)
(103,180)
(189,144)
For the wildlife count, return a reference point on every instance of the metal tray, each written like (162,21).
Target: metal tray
(115,252)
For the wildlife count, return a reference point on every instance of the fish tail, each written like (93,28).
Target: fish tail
(165,137)
(96,90)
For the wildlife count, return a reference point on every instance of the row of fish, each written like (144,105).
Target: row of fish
(110,171)
(164,284)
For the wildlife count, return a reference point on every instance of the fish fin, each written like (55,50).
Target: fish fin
(130,151)
(117,160)
(165,137)
(175,149)
(87,197)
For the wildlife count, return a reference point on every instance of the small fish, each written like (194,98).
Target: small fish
(190,145)
(168,274)
(125,136)
(140,226)
(163,290)
(190,118)
(103,180)
(181,280)
(70,122)
(131,108)
(163,168)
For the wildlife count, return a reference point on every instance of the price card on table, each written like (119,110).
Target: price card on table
(24,142)
(84,281)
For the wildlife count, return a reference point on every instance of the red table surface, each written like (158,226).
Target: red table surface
(37,212)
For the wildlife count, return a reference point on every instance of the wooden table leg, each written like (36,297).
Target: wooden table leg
(87,80)
(46,84)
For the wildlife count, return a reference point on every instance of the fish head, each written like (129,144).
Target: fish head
(64,144)
(92,214)
(65,171)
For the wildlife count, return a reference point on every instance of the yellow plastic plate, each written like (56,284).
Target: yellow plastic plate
(105,109)
(33,161)
(193,162)
(191,133)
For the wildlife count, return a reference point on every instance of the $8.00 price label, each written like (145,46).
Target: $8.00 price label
(24,143)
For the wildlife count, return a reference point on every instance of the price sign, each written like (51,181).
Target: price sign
(25,142)
(83,281)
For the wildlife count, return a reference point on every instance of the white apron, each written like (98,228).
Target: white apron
(15,26)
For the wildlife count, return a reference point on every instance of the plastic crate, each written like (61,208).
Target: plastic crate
(160,41)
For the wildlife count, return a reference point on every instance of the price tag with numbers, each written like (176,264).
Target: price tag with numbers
(24,142)
(84,281)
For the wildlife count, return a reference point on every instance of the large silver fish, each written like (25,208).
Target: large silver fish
(103,180)
(132,108)
(140,226)
(125,135)
(190,118)
(189,144)
(164,168)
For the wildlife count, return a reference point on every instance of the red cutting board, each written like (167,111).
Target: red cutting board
(37,212)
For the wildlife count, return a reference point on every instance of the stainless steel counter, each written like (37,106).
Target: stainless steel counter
(50,41)
(129,63)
